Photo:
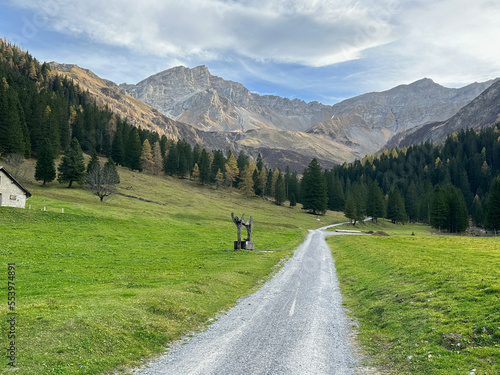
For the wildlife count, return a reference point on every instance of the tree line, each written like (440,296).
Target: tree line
(442,185)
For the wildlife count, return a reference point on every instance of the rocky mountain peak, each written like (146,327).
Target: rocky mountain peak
(424,83)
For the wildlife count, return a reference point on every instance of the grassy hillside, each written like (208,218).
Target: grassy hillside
(426,303)
(103,285)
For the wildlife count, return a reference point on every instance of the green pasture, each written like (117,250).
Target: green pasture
(105,285)
(426,303)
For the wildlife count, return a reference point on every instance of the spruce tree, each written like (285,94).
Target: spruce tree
(280,191)
(171,165)
(45,169)
(350,207)
(117,147)
(133,150)
(262,181)
(411,202)
(336,198)
(293,201)
(492,220)
(72,166)
(476,212)
(439,209)
(458,217)
(396,207)
(314,189)
(93,162)
(375,204)
(204,167)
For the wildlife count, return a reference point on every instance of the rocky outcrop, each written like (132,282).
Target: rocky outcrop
(364,123)
(371,120)
(483,111)
(208,102)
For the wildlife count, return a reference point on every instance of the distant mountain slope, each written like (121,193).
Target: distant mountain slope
(353,128)
(209,102)
(280,148)
(364,123)
(483,111)
(367,122)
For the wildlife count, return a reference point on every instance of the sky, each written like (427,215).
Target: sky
(314,50)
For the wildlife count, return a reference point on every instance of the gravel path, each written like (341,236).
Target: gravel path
(294,324)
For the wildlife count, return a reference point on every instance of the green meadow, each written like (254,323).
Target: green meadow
(106,285)
(426,303)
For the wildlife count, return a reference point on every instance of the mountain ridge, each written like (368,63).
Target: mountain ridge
(222,114)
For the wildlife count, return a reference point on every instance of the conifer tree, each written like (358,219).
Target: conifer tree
(132,155)
(219,179)
(231,170)
(259,163)
(476,212)
(45,169)
(171,165)
(147,163)
(293,201)
(276,173)
(350,207)
(439,209)
(246,184)
(117,146)
(375,204)
(314,190)
(157,158)
(396,207)
(458,217)
(204,167)
(336,198)
(72,166)
(93,162)
(255,178)
(110,171)
(196,173)
(262,181)
(279,192)
(411,202)
(492,220)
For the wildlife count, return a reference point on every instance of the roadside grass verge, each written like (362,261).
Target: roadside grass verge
(105,285)
(426,303)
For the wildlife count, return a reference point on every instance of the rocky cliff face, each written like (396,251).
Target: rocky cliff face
(208,102)
(483,111)
(364,123)
(369,121)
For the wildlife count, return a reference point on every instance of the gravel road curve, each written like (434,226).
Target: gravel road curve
(294,324)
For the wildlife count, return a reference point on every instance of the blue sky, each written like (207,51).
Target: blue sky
(324,50)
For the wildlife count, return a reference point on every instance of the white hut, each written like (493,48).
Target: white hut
(12,193)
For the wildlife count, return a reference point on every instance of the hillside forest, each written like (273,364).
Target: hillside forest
(447,186)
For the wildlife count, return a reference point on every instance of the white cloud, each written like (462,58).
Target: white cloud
(307,32)
(329,48)
(452,41)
